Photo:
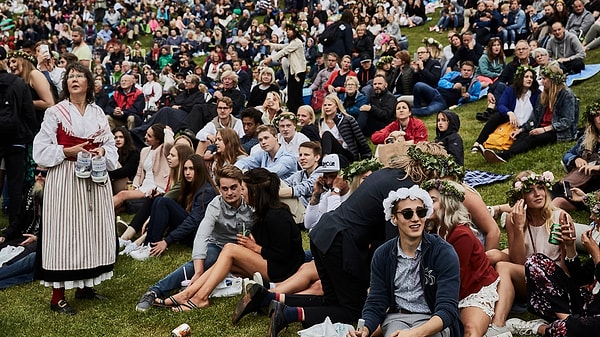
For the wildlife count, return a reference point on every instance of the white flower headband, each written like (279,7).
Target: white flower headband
(413,193)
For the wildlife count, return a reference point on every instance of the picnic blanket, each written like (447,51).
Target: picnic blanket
(477,178)
(589,71)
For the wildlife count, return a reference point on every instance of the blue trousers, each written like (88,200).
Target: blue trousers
(424,94)
(173,281)
(17,273)
(166,213)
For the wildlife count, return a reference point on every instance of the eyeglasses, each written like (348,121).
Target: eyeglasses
(408,213)
(37,172)
(74,76)
(421,52)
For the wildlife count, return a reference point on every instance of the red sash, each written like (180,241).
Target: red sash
(67,141)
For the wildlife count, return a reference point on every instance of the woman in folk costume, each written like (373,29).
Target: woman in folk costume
(78,239)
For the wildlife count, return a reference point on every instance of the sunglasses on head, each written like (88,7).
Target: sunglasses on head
(408,213)
(36,172)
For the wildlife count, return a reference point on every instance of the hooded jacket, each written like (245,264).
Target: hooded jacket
(569,47)
(450,139)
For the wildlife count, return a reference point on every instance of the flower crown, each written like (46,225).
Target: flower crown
(444,187)
(554,76)
(360,167)
(384,60)
(524,185)
(445,165)
(282,116)
(593,203)
(429,41)
(412,193)
(22,54)
(522,69)
(593,109)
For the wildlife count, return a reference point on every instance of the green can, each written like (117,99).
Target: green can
(555,233)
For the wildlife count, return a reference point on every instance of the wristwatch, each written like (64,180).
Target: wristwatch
(336,190)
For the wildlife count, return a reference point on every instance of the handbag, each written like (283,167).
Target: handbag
(316,101)
(500,139)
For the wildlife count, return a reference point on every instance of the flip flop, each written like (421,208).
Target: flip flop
(187,306)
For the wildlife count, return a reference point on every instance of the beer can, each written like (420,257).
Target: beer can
(181,331)
(555,233)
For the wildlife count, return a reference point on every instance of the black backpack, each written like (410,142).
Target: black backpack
(329,34)
(10,121)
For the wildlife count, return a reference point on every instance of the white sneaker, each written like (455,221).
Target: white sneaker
(130,247)
(505,46)
(246,285)
(512,46)
(497,331)
(520,327)
(257,277)
(141,254)
(124,243)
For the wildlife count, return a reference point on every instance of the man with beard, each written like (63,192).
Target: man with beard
(80,48)
(22,240)
(381,111)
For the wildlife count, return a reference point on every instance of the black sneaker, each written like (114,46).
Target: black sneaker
(146,301)
(483,116)
(62,307)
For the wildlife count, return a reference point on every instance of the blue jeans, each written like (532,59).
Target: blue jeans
(422,94)
(173,281)
(17,273)
(166,213)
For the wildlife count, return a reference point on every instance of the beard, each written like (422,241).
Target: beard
(38,190)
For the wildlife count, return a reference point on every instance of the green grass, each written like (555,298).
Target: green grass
(25,310)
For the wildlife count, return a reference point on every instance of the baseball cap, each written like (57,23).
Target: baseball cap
(365,58)
(332,163)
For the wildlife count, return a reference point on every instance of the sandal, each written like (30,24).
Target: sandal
(187,306)
(159,302)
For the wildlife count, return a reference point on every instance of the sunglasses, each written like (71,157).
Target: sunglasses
(408,213)
(37,172)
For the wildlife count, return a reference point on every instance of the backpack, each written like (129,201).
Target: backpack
(329,34)
(10,121)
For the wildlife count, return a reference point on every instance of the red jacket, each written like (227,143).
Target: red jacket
(415,130)
(334,75)
(131,103)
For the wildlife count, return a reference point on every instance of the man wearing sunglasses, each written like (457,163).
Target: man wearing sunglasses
(414,277)
(23,237)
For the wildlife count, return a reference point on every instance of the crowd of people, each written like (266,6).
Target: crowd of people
(231,158)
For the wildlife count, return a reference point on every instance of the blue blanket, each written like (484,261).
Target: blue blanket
(477,178)
(589,71)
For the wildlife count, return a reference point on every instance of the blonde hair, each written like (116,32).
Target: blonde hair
(550,93)
(413,167)
(547,209)
(452,212)
(269,71)
(310,111)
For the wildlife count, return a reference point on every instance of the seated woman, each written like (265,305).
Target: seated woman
(491,63)
(353,99)
(568,299)
(271,108)
(274,247)
(129,159)
(228,150)
(528,229)
(266,84)
(176,159)
(405,127)
(180,217)
(153,169)
(340,132)
(582,157)
(478,279)
(515,105)
(337,79)
(306,122)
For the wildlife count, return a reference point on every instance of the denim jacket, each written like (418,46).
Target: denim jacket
(564,116)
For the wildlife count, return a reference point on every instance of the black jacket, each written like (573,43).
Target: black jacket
(18,94)
(431,73)
(450,139)
(353,137)
(344,42)
(187,99)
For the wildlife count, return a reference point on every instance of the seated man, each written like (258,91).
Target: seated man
(271,156)
(19,269)
(224,119)
(218,227)
(469,51)
(565,48)
(381,110)
(295,191)
(251,119)
(455,88)
(580,20)
(288,137)
(126,105)
(414,277)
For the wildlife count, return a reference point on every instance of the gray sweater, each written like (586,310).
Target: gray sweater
(569,47)
(219,225)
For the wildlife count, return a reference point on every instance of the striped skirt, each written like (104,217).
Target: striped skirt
(78,246)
